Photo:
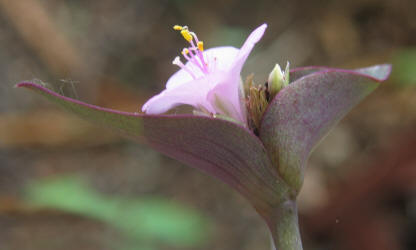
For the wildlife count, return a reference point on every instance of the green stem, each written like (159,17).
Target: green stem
(284,227)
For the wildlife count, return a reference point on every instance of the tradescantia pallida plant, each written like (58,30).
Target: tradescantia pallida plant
(255,138)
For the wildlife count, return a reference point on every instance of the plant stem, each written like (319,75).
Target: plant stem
(284,227)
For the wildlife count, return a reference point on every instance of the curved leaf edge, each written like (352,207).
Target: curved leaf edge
(39,87)
(324,69)
(386,70)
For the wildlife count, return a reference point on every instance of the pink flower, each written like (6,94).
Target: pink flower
(209,81)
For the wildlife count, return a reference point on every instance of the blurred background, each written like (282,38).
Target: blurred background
(66,184)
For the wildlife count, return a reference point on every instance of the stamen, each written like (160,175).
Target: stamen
(177,27)
(177,61)
(192,53)
(200,45)
(199,51)
(185,33)
(194,35)
(191,57)
(185,51)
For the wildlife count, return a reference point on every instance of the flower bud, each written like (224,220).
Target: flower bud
(278,79)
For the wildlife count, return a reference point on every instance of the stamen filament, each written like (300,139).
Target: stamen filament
(198,58)
(194,35)
(191,57)
(200,55)
(200,46)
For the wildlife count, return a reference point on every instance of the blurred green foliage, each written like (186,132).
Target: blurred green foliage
(228,36)
(404,63)
(148,221)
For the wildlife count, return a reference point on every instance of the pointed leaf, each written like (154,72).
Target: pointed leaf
(304,112)
(218,147)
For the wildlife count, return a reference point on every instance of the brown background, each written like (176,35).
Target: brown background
(360,186)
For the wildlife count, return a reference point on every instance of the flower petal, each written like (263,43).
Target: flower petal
(302,113)
(225,97)
(248,45)
(218,58)
(221,58)
(219,90)
(178,78)
(192,93)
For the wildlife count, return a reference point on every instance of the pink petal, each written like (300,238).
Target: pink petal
(220,58)
(218,91)
(248,45)
(225,97)
(178,78)
(192,93)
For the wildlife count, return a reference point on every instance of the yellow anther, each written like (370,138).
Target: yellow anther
(200,46)
(185,33)
(177,27)
(185,51)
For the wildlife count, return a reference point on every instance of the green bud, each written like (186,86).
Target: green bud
(287,72)
(278,79)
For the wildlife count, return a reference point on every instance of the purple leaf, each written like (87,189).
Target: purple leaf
(302,113)
(218,147)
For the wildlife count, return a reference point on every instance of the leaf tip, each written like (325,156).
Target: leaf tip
(27,85)
(385,71)
(20,84)
(378,73)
